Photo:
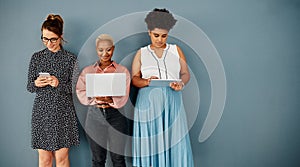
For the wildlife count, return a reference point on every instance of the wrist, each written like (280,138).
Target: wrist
(182,85)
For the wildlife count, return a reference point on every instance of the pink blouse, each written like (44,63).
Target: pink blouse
(118,101)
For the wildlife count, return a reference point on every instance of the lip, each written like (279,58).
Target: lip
(159,43)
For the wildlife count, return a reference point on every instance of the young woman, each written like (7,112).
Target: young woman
(105,124)
(54,125)
(160,135)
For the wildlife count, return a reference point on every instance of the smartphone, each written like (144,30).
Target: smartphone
(44,74)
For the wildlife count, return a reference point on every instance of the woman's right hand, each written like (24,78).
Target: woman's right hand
(148,80)
(41,82)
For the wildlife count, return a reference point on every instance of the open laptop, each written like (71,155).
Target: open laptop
(105,84)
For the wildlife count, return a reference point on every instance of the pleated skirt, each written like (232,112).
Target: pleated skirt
(160,135)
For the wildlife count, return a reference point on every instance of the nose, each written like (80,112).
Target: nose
(159,38)
(48,43)
(104,53)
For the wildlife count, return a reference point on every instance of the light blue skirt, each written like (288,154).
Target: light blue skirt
(160,135)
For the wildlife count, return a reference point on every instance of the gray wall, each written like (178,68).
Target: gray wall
(258,43)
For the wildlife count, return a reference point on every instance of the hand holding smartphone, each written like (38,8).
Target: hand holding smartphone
(42,80)
(44,74)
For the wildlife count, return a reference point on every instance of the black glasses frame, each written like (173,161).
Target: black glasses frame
(46,40)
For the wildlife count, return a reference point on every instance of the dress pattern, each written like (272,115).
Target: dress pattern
(54,123)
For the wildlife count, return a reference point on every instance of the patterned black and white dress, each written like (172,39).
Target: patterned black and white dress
(54,123)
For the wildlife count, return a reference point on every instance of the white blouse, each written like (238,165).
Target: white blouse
(166,67)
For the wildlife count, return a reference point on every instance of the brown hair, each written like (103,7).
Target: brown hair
(54,23)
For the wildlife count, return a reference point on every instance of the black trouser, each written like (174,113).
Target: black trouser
(106,127)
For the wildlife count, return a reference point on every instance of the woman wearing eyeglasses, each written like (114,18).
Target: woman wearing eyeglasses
(50,75)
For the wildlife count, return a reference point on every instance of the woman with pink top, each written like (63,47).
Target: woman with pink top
(105,124)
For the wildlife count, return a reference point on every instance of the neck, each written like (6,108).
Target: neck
(105,63)
(157,48)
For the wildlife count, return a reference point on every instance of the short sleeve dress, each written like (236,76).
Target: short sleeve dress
(54,123)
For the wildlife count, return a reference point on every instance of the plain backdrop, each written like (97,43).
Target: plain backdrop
(258,43)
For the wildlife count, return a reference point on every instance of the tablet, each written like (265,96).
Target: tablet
(163,82)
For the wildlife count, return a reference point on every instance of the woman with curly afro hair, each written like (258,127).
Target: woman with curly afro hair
(160,135)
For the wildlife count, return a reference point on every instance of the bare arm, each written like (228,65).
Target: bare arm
(137,79)
(184,72)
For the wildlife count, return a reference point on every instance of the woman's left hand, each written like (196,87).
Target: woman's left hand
(53,81)
(177,86)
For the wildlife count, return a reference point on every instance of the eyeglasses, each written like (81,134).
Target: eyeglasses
(46,40)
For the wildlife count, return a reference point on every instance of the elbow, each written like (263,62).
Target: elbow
(134,83)
(138,82)
(188,77)
(185,77)
(31,89)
